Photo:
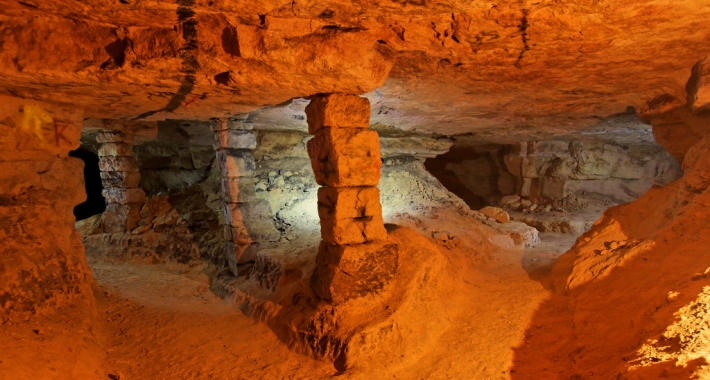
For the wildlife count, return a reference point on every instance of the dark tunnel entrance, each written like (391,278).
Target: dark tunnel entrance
(472,172)
(95,203)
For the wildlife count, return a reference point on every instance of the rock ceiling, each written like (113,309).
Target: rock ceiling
(448,67)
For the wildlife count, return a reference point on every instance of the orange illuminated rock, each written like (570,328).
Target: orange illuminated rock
(353,230)
(495,213)
(344,157)
(120,217)
(348,202)
(353,271)
(337,111)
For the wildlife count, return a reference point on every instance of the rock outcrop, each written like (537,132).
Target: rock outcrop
(43,266)
(512,66)
(627,279)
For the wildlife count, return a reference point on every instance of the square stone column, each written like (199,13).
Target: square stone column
(354,258)
(120,177)
(247,219)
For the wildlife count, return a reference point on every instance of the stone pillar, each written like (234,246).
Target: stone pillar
(43,263)
(354,258)
(247,220)
(120,177)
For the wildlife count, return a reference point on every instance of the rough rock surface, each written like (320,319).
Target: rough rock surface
(512,64)
(654,249)
(43,266)
(496,213)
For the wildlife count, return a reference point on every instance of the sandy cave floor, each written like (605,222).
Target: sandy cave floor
(163,322)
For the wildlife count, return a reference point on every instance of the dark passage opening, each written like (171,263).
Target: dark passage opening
(95,203)
(470,172)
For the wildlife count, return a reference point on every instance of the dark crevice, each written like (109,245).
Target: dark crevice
(188,54)
(27,4)
(327,14)
(524,35)
(222,78)
(398,30)
(117,51)
(346,29)
(230,42)
(95,203)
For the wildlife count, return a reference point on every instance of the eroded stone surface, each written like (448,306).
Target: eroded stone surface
(236,163)
(347,272)
(120,179)
(348,202)
(292,51)
(343,157)
(238,190)
(353,230)
(234,139)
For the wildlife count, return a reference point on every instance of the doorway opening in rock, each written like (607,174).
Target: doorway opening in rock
(95,203)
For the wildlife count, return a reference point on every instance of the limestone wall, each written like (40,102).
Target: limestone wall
(571,173)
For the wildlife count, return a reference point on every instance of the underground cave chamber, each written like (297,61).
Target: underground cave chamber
(216,190)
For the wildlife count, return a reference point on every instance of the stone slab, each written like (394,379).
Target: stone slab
(353,230)
(238,190)
(348,202)
(120,217)
(250,222)
(496,213)
(235,254)
(345,157)
(337,111)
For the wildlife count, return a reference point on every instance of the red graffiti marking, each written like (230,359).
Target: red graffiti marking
(187,103)
(59,133)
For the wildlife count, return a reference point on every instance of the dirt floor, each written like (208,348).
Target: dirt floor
(158,321)
(163,321)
